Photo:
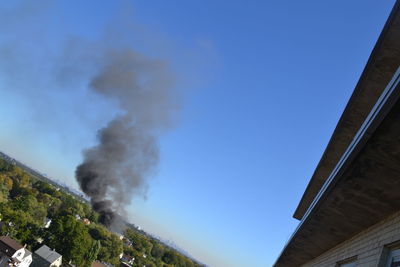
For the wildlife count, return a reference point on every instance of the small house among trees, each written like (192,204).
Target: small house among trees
(13,253)
(46,257)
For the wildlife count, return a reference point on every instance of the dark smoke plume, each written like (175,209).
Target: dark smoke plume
(48,69)
(127,151)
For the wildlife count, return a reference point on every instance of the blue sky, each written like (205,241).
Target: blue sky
(262,85)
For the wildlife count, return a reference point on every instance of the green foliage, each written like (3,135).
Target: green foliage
(44,188)
(140,242)
(6,167)
(4,191)
(111,245)
(94,251)
(157,254)
(70,237)
(25,202)
(169,257)
(111,248)
(157,251)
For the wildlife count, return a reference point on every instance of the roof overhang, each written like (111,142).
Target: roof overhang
(382,64)
(356,183)
(362,189)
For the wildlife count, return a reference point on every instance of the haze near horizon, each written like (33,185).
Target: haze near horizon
(258,89)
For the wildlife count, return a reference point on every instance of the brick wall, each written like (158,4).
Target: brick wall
(370,246)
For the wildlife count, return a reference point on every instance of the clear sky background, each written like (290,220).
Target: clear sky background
(262,85)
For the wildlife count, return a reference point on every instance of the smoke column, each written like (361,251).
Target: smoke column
(50,68)
(127,151)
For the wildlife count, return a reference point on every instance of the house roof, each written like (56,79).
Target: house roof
(360,181)
(47,254)
(362,190)
(8,245)
(27,253)
(98,264)
(127,257)
(383,62)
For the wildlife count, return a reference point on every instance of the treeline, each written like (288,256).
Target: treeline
(25,203)
(150,252)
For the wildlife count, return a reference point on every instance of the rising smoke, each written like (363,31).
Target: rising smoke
(127,150)
(47,69)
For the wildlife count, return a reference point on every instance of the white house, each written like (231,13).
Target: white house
(13,253)
(27,259)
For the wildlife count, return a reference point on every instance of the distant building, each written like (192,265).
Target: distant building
(127,242)
(127,260)
(46,257)
(47,223)
(13,253)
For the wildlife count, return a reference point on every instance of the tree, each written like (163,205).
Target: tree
(98,232)
(6,167)
(169,257)
(93,252)
(29,204)
(157,251)
(25,201)
(6,181)
(137,240)
(93,216)
(44,188)
(70,237)
(111,245)
(54,207)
